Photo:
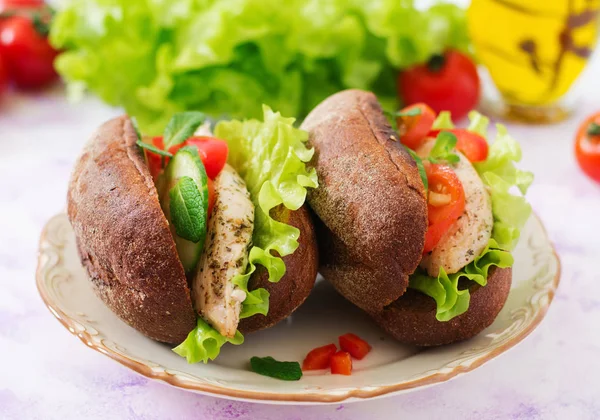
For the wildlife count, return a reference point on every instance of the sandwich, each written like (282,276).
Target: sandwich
(195,238)
(416,223)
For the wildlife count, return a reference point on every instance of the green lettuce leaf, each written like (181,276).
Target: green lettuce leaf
(155,57)
(510,212)
(271,157)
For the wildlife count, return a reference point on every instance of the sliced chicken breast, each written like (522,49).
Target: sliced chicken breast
(225,255)
(469,236)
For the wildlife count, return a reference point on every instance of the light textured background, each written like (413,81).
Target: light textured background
(47,373)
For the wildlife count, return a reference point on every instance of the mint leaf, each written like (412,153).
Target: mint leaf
(420,167)
(267,366)
(444,148)
(153,149)
(187,210)
(181,127)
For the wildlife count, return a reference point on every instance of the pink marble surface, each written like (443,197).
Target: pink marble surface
(46,373)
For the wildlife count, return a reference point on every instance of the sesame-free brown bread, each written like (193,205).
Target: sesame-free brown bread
(301,271)
(370,200)
(124,239)
(411,319)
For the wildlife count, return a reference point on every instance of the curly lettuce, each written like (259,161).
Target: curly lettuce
(510,212)
(157,57)
(270,156)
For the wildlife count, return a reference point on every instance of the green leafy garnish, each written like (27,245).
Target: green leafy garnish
(155,58)
(153,149)
(420,167)
(444,122)
(444,148)
(188,213)
(181,127)
(267,366)
(499,174)
(204,343)
(136,127)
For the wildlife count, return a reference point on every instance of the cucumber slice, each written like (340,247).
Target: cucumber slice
(183,192)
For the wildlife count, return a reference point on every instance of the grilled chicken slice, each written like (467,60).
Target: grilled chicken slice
(468,237)
(229,237)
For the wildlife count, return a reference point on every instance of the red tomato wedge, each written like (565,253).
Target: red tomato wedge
(341,363)
(444,183)
(211,196)
(213,153)
(319,358)
(356,346)
(414,128)
(587,147)
(473,145)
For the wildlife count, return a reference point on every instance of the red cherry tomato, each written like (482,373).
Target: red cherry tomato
(20,4)
(213,153)
(449,82)
(473,145)
(414,128)
(353,344)
(28,54)
(587,147)
(319,358)
(341,363)
(443,182)
(3,76)
(211,196)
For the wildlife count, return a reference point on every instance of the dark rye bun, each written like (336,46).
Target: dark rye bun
(411,319)
(301,271)
(126,246)
(123,236)
(370,200)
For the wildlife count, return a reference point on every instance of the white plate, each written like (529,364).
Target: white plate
(389,368)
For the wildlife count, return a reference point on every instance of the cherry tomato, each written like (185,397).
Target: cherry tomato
(3,76)
(442,182)
(353,344)
(587,147)
(341,363)
(20,4)
(213,153)
(211,196)
(319,358)
(414,128)
(28,54)
(447,82)
(473,145)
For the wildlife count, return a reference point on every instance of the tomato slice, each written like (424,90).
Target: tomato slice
(443,181)
(155,162)
(473,145)
(319,358)
(213,153)
(211,196)
(341,363)
(414,128)
(353,344)
(587,147)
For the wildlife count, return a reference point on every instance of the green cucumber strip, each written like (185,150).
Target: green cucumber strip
(267,366)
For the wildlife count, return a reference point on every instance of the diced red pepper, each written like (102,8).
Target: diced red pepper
(319,358)
(353,344)
(341,363)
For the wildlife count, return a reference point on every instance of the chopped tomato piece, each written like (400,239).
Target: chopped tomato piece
(213,153)
(155,162)
(211,196)
(414,128)
(319,358)
(341,363)
(587,147)
(353,344)
(442,181)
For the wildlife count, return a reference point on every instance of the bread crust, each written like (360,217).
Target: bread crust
(370,200)
(411,319)
(123,237)
(301,272)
